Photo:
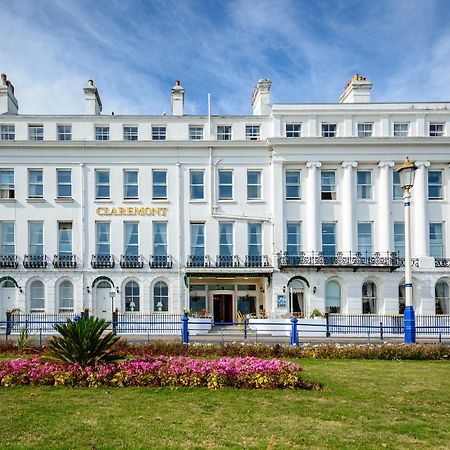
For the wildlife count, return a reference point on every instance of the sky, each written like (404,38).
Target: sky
(134,50)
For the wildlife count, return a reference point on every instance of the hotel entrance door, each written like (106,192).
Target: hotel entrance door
(223,307)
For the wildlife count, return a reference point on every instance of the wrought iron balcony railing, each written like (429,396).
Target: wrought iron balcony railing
(442,262)
(102,261)
(198,261)
(65,261)
(389,260)
(9,262)
(34,261)
(227,261)
(257,261)
(131,261)
(414,262)
(161,261)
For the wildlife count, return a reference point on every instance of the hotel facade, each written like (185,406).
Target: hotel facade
(294,208)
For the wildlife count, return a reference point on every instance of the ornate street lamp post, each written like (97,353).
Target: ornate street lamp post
(406,172)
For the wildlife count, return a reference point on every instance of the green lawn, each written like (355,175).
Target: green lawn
(365,404)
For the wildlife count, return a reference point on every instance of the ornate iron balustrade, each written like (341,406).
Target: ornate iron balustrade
(9,262)
(352,260)
(256,261)
(35,261)
(102,261)
(198,261)
(131,261)
(227,261)
(65,261)
(414,262)
(161,261)
(442,262)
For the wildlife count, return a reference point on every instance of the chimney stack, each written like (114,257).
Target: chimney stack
(261,98)
(357,90)
(92,102)
(177,99)
(8,101)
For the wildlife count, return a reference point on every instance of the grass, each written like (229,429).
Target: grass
(365,404)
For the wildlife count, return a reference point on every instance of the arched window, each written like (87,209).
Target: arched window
(37,301)
(160,297)
(65,296)
(104,285)
(369,298)
(297,298)
(8,284)
(401,298)
(132,296)
(333,297)
(441,295)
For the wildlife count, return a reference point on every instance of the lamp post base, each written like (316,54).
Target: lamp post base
(409,320)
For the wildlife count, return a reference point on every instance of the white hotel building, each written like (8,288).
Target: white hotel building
(293,208)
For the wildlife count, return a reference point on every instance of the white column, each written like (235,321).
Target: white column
(420,210)
(312,206)
(348,240)
(384,226)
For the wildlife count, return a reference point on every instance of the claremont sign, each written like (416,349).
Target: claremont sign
(130,211)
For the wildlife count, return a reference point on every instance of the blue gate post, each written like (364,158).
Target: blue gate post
(184,329)
(294,335)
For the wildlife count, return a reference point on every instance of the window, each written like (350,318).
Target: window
(35,183)
(198,240)
(365,238)
(36,238)
(401,298)
(224,132)
(64,132)
(159,133)
(365,129)
(161,297)
(132,297)
(436,129)
(397,190)
(197,185)
(293,246)
(333,297)
(328,184)
(369,298)
(441,293)
(64,180)
(131,238)
(102,133)
(103,238)
(7,188)
(253,185)
(159,179)
(254,239)
(8,246)
(225,184)
(293,130)
(225,239)
(102,184)
(195,133)
(252,132)
(160,238)
(130,133)
(37,298)
(434,184)
(329,130)
(198,299)
(436,240)
(7,132)
(399,239)
(329,239)
(292,178)
(65,296)
(364,184)
(36,132)
(130,184)
(401,129)
(64,238)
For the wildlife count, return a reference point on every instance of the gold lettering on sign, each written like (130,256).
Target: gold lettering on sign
(121,211)
(130,211)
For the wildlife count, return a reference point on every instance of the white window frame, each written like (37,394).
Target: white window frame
(62,184)
(296,185)
(436,129)
(440,185)
(258,186)
(401,132)
(362,247)
(64,132)
(36,132)
(39,244)
(106,242)
(196,132)
(360,186)
(7,132)
(228,184)
(365,129)
(159,132)
(331,192)
(326,128)
(252,132)
(191,185)
(102,132)
(37,184)
(60,225)
(224,132)
(438,244)
(298,233)
(7,190)
(131,184)
(295,131)
(135,245)
(7,243)
(97,184)
(159,184)
(130,133)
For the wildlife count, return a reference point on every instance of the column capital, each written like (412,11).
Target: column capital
(349,164)
(386,164)
(420,164)
(311,164)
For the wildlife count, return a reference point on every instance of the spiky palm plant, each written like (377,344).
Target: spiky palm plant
(83,342)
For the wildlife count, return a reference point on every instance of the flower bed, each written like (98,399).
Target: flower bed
(249,373)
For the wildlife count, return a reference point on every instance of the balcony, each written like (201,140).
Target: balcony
(442,262)
(9,262)
(227,261)
(161,261)
(102,261)
(257,261)
(131,261)
(35,261)
(355,261)
(65,261)
(198,261)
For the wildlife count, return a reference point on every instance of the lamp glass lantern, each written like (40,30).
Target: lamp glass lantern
(406,172)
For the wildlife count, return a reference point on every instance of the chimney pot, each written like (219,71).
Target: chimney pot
(177,99)
(357,90)
(92,101)
(261,98)
(8,101)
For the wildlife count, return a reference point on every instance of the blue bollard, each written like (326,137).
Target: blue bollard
(294,334)
(410,325)
(184,330)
